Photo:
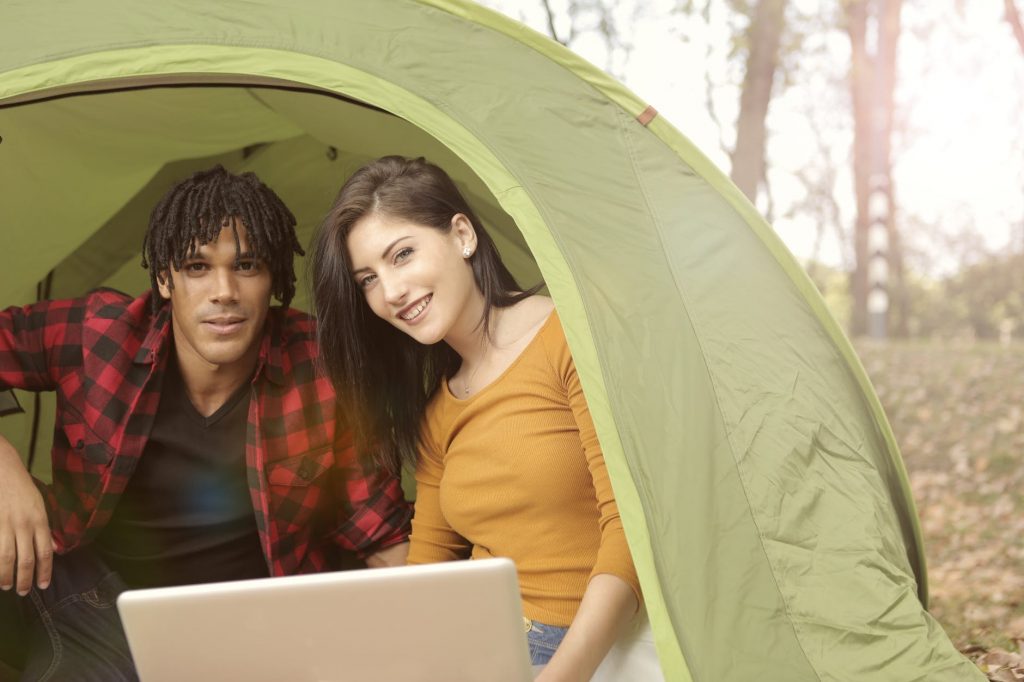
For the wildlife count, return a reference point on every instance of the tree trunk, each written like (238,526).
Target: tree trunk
(888,41)
(1013,17)
(764,37)
(872,84)
(861,75)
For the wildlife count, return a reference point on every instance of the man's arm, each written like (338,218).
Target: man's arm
(26,546)
(40,343)
(374,518)
(36,341)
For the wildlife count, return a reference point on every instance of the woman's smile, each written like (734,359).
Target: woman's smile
(412,314)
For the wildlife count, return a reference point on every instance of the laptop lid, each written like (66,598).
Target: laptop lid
(450,621)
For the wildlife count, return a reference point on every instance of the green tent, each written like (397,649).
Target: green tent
(762,492)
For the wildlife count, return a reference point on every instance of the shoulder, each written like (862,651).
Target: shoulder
(116,300)
(539,317)
(551,337)
(102,308)
(521,322)
(102,303)
(534,323)
(532,312)
(294,350)
(296,331)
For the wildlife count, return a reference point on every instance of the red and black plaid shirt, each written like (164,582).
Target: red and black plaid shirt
(105,355)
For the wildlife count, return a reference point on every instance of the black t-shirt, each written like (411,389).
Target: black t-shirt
(186,516)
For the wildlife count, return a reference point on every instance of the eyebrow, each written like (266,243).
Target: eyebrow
(199,255)
(386,251)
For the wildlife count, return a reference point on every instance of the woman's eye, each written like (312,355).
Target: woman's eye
(403,254)
(366,280)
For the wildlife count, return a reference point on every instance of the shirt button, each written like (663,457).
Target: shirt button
(80,444)
(306,470)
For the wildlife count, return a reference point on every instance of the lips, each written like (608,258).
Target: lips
(224,325)
(412,312)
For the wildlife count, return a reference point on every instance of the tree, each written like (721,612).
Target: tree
(873,27)
(1012,15)
(763,38)
(590,16)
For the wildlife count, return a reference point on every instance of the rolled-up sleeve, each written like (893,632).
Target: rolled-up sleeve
(374,514)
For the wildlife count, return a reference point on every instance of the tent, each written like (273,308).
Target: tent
(761,489)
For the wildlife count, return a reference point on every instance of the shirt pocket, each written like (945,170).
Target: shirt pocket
(82,462)
(301,470)
(83,445)
(300,499)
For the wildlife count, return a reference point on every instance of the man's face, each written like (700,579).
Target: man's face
(218,307)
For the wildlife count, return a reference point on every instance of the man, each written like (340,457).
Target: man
(194,441)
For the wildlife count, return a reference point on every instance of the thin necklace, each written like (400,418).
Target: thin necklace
(467,383)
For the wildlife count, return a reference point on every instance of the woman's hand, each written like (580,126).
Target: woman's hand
(607,607)
(394,555)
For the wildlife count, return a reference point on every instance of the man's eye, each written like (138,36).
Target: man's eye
(248,266)
(403,254)
(195,267)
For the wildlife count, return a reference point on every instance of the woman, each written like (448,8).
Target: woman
(447,363)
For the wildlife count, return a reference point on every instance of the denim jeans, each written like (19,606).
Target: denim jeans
(543,640)
(72,630)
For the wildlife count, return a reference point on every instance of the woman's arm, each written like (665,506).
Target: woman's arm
(612,596)
(432,539)
(608,605)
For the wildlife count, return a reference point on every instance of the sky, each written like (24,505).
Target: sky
(959,140)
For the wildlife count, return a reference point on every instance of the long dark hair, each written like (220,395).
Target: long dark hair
(383,377)
(193,212)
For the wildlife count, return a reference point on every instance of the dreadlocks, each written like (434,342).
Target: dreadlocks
(193,212)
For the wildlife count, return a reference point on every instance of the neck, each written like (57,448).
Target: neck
(467,337)
(209,386)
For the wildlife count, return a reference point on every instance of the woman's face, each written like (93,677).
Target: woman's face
(417,277)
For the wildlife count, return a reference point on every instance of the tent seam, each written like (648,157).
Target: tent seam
(573,267)
(658,224)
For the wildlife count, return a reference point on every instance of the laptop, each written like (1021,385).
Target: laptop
(447,622)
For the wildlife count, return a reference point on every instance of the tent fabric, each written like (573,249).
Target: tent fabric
(761,489)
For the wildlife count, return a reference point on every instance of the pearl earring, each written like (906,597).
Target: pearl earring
(467,252)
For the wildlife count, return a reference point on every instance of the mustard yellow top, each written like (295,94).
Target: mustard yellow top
(516,471)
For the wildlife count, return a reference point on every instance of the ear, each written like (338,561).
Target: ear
(162,283)
(464,234)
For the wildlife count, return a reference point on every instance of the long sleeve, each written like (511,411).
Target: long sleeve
(38,342)
(374,513)
(516,471)
(432,540)
(613,555)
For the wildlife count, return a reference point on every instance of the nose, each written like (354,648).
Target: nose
(394,289)
(225,289)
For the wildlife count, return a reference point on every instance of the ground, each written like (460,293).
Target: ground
(957,410)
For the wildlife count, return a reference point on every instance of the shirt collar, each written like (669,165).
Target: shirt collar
(271,359)
(156,337)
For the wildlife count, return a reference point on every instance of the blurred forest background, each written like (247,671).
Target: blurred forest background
(884,141)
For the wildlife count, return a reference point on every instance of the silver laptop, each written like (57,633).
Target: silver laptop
(441,622)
